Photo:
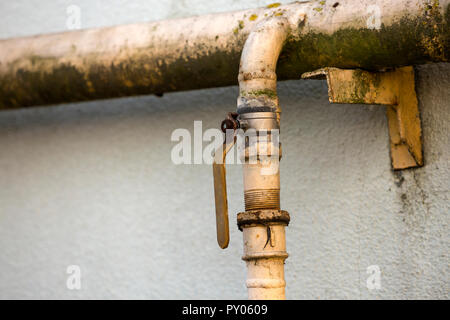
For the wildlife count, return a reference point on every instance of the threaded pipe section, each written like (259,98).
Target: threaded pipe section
(262,199)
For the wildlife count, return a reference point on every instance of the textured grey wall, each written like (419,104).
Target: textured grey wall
(92,184)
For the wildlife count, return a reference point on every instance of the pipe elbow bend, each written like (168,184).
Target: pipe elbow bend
(257,68)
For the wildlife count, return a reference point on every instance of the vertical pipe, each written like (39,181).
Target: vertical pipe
(265,263)
(263,223)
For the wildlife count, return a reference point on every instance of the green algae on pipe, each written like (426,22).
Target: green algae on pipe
(204,52)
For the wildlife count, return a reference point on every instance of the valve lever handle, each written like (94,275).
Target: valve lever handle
(220,189)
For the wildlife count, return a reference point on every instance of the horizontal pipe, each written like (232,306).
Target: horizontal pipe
(204,52)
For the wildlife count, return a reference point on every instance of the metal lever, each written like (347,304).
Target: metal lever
(220,182)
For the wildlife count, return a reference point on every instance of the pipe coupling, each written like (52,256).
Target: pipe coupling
(262,217)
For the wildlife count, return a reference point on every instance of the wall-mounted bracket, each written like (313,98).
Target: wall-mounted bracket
(395,89)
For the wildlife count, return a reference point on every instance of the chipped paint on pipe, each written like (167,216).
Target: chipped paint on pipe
(204,52)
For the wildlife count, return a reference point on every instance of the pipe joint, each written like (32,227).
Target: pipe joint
(262,217)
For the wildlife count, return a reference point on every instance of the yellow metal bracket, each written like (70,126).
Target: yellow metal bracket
(395,89)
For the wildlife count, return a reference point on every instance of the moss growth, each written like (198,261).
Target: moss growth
(364,85)
(435,40)
(397,45)
(273,5)
(253,17)
(404,43)
(446,26)
(257,93)
(137,75)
